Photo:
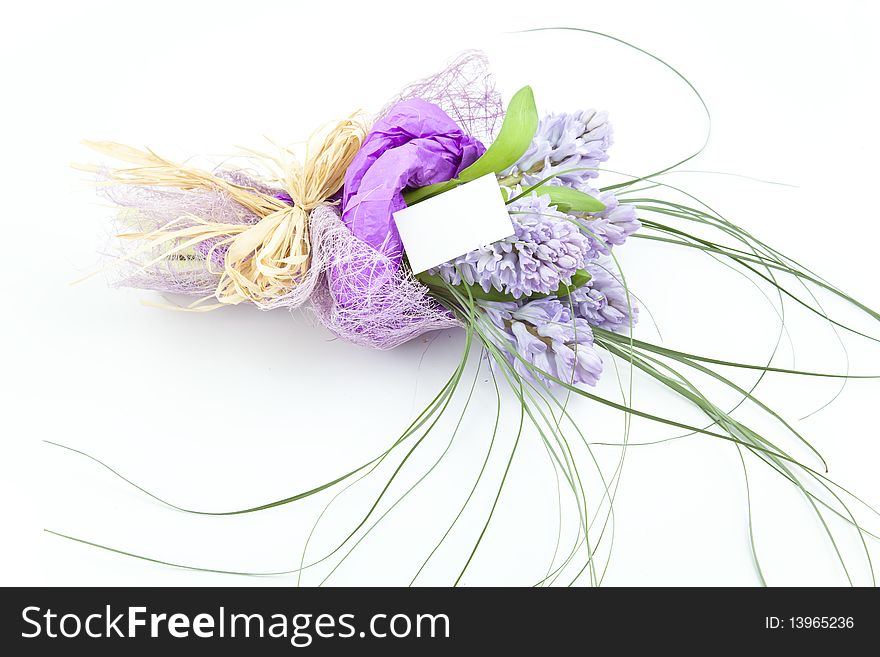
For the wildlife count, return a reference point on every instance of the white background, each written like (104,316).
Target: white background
(234,408)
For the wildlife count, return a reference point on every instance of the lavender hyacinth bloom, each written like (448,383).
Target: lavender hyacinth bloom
(545,251)
(576,140)
(544,334)
(602,301)
(616,222)
(565,141)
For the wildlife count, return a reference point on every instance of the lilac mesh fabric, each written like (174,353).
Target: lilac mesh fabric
(146,209)
(465,90)
(395,310)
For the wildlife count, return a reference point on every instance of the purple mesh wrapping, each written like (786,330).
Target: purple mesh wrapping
(394,311)
(465,90)
(146,209)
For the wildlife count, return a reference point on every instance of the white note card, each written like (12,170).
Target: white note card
(452,223)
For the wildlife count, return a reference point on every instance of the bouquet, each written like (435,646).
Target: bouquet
(546,303)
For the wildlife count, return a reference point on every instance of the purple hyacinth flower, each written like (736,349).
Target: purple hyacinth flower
(545,251)
(576,140)
(544,334)
(602,301)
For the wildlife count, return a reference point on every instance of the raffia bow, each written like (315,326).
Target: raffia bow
(265,261)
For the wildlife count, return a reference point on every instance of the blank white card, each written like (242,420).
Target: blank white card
(452,223)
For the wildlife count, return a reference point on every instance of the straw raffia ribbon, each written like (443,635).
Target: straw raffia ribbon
(267,260)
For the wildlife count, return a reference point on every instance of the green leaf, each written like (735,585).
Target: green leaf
(517,132)
(578,279)
(413,196)
(570,200)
